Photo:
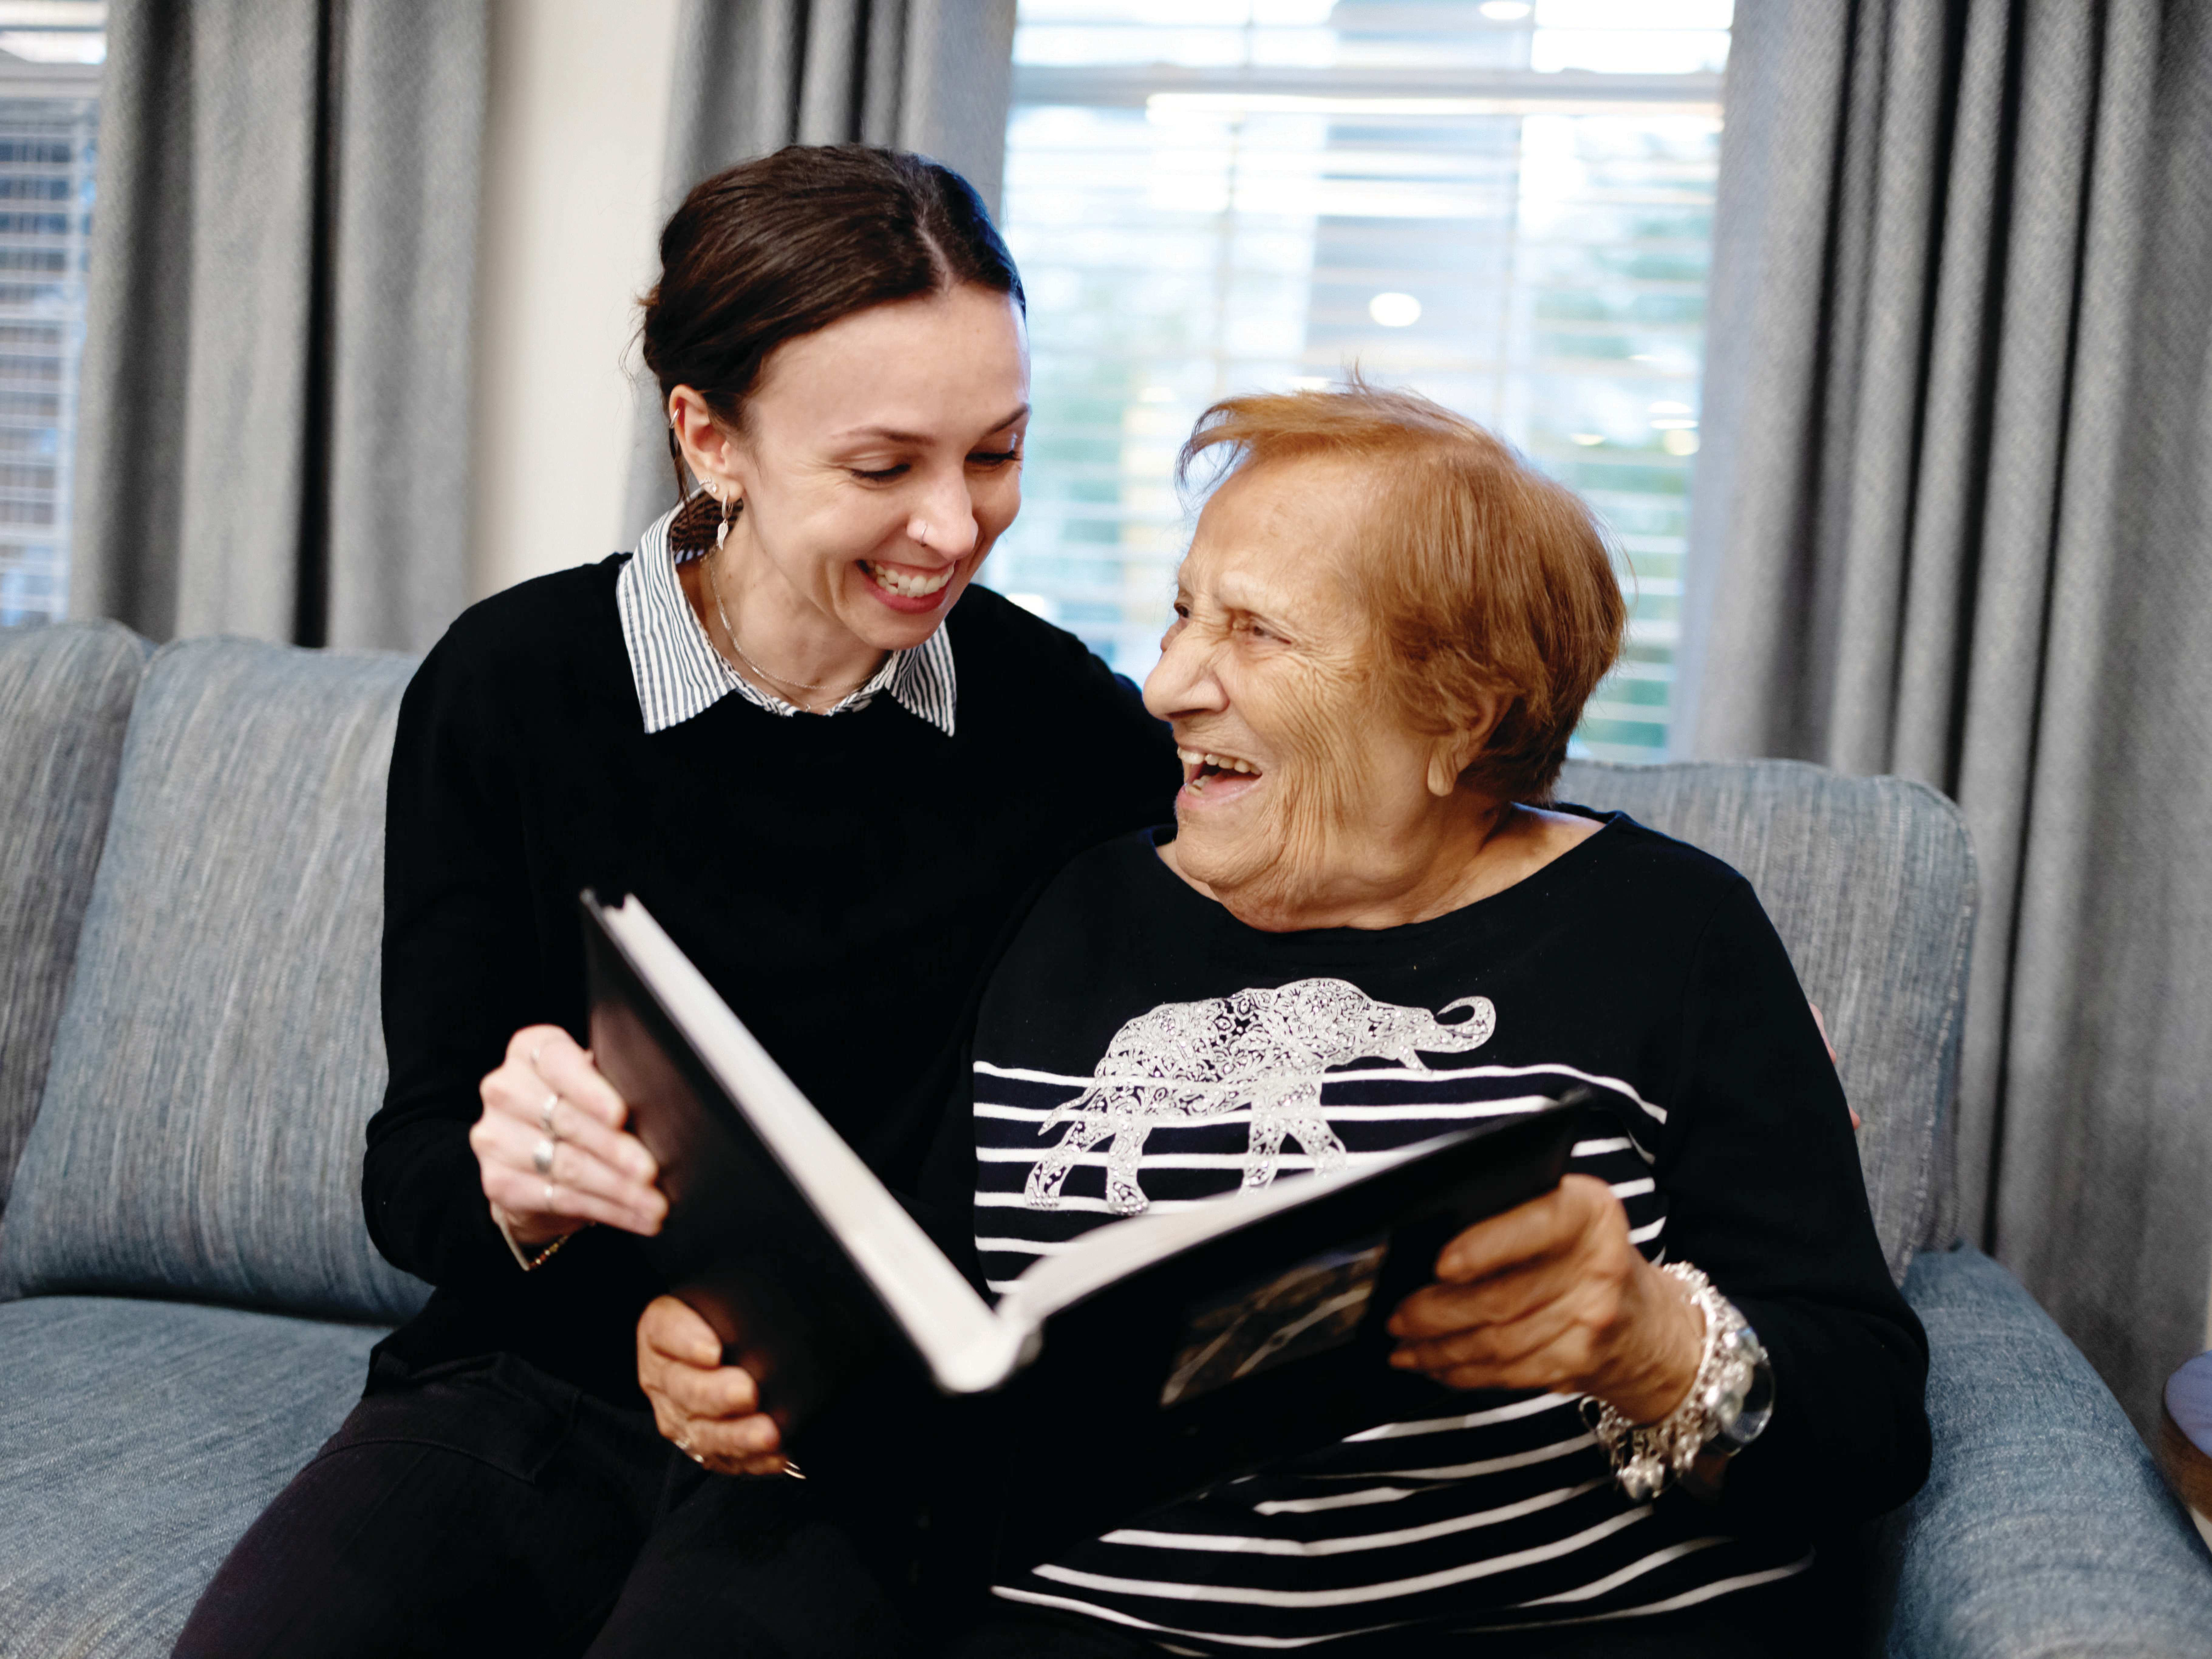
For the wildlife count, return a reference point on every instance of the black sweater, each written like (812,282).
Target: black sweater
(843,882)
(1633,964)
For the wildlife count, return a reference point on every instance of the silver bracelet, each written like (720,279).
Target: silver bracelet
(1729,1403)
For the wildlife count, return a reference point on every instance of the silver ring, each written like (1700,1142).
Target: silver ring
(549,1198)
(545,1114)
(542,1158)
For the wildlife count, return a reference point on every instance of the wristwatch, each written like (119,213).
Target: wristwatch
(1740,1419)
(1729,1406)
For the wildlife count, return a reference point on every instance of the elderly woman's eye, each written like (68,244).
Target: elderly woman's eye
(881,476)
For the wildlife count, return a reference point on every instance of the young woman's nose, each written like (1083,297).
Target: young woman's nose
(943,520)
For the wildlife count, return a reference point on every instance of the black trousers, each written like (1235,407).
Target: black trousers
(487,1509)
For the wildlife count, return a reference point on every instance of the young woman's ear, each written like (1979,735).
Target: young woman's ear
(707,449)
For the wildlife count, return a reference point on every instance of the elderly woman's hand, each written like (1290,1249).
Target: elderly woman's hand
(550,1145)
(709,1410)
(1554,1296)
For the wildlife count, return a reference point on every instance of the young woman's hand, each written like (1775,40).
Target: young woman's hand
(550,1145)
(709,1410)
(1553,1294)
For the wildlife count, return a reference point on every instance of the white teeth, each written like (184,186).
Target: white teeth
(907,586)
(1200,757)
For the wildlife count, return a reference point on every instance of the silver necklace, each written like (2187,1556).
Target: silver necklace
(715,588)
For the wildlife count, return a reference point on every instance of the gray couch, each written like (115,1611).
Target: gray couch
(189,849)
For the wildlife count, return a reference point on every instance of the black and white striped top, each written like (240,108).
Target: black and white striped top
(1129,993)
(679,673)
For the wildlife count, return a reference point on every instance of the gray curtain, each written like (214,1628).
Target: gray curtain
(1954,519)
(275,399)
(753,75)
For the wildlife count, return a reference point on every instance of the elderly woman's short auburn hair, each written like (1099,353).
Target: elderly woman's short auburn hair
(1481,573)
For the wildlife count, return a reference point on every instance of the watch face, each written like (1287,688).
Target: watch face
(1744,1417)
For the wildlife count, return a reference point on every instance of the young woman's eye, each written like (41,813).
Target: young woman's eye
(883,476)
(994,457)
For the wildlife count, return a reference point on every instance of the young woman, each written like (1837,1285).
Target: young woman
(837,774)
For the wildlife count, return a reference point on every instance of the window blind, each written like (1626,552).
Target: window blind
(1506,206)
(50,56)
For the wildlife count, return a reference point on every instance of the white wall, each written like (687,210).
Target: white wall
(578,121)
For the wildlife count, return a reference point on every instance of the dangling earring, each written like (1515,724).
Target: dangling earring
(732,504)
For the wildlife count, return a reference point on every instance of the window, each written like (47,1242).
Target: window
(1505,205)
(49,56)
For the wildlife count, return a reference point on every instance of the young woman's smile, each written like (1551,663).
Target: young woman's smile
(915,589)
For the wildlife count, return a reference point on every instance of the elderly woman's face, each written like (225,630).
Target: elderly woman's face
(1301,780)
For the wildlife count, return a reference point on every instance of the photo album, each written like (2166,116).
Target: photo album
(1153,1357)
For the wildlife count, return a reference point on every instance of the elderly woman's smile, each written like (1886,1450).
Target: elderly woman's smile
(1202,766)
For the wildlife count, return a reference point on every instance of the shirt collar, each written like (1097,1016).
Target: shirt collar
(678,673)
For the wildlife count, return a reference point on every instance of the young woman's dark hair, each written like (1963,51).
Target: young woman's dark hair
(772,249)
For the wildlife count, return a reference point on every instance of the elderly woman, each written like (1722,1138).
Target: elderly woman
(1385,630)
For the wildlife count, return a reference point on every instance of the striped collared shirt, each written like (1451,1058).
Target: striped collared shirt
(679,673)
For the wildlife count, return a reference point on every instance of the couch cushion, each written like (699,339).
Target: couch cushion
(220,1051)
(65,692)
(141,1438)
(2045,1527)
(1870,882)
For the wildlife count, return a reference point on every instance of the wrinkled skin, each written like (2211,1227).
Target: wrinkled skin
(709,1410)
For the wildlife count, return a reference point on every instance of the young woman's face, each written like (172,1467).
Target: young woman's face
(880,459)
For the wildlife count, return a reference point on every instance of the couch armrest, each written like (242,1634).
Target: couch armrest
(2045,1528)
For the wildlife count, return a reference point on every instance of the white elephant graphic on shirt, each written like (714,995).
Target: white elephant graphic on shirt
(1266,1049)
